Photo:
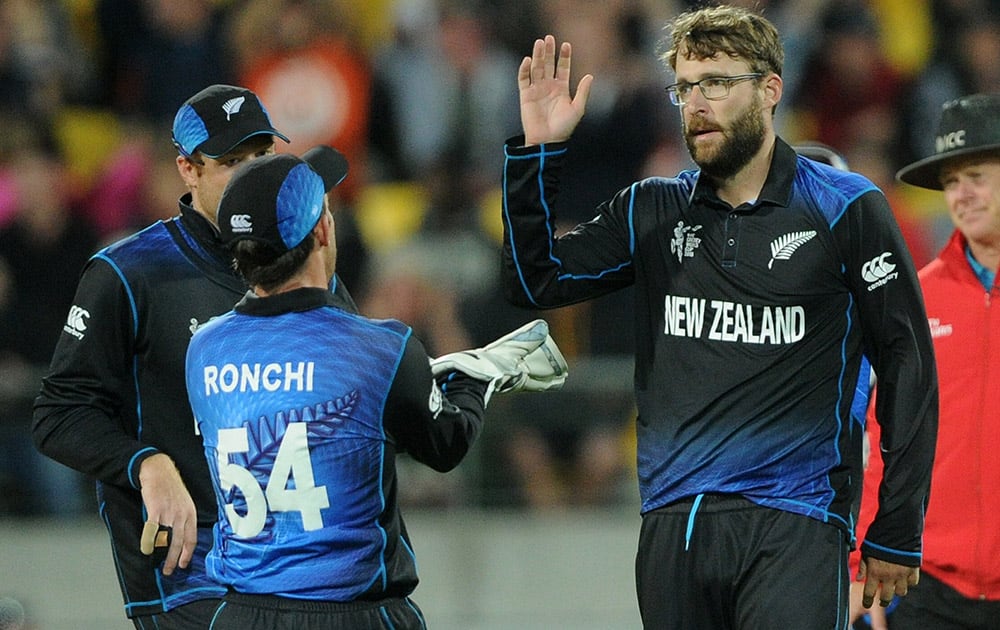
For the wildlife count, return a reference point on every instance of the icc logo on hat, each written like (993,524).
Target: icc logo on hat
(953,140)
(969,125)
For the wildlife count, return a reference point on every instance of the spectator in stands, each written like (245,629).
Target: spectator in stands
(43,247)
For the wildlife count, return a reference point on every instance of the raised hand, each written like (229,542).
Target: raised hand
(548,113)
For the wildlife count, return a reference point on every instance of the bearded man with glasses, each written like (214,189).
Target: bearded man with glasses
(768,287)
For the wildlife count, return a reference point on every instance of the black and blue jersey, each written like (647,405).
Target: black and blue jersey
(755,327)
(114,394)
(303,407)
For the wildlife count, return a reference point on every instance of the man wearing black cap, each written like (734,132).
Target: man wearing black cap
(303,405)
(113,404)
(960,577)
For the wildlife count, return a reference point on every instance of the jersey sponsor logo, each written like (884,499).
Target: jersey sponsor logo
(270,377)
(76,321)
(232,106)
(685,241)
(241,223)
(783,247)
(732,322)
(879,271)
(938,329)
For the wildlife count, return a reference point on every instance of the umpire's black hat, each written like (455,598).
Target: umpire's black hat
(218,118)
(277,199)
(969,125)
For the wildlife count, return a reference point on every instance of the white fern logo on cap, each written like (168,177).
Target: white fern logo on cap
(233,105)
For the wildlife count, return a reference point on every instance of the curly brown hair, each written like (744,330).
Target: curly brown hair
(735,31)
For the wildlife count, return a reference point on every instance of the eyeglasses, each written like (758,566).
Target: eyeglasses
(712,88)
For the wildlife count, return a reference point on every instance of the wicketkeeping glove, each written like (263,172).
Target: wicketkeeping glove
(526,359)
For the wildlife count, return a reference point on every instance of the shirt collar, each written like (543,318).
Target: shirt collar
(777,189)
(986,276)
(304,299)
(195,222)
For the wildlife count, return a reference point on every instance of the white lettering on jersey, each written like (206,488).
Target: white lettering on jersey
(733,322)
(939,329)
(271,377)
(683,316)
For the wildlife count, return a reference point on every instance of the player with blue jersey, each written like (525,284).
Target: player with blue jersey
(113,404)
(303,405)
(765,283)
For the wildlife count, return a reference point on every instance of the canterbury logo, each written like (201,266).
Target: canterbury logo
(782,248)
(233,105)
(878,271)
(76,322)
(240,223)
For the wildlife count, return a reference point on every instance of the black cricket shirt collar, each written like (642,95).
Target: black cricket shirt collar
(296,300)
(777,189)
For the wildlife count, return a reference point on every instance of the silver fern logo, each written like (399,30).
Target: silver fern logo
(232,106)
(783,247)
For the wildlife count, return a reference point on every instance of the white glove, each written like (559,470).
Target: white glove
(541,369)
(526,359)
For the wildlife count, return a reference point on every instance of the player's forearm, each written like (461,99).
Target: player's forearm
(531,269)
(87,440)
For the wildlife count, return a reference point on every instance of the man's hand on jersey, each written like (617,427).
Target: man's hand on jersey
(548,114)
(526,359)
(169,509)
(884,580)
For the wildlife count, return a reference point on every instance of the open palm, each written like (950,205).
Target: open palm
(548,113)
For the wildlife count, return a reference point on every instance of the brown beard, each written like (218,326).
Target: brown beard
(741,141)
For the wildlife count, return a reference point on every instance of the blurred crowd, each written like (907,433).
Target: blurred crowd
(420,95)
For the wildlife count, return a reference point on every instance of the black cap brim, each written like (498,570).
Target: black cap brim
(329,163)
(926,173)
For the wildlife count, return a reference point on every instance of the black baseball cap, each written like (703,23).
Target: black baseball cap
(277,199)
(218,118)
(968,125)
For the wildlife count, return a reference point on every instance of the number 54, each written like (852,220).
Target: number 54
(292,463)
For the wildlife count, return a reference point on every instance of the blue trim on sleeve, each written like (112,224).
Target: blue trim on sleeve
(135,334)
(909,554)
(134,474)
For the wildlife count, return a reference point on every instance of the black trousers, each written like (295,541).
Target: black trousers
(266,612)
(933,605)
(197,614)
(724,563)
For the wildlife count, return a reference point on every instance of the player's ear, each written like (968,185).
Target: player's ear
(324,230)
(188,170)
(773,86)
